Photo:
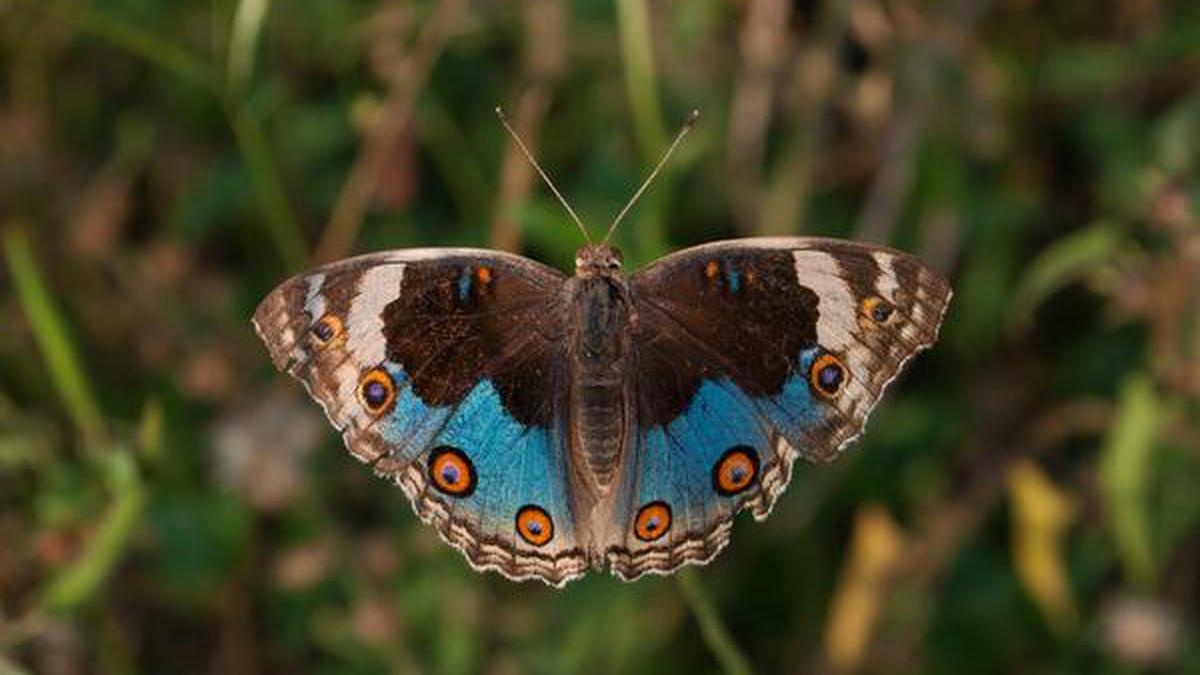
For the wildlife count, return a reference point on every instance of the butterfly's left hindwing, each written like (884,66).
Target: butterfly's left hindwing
(751,353)
(443,370)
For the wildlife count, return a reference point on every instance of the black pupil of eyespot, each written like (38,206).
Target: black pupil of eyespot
(652,524)
(737,473)
(450,474)
(324,330)
(881,312)
(831,376)
(535,527)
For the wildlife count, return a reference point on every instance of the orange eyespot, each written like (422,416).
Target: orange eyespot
(712,269)
(451,472)
(877,309)
(484,274)
(653,520)
(736,470)
(376,391)
(327,329)
(534,525)
(827,375)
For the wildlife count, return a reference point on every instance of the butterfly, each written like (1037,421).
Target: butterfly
(546,424)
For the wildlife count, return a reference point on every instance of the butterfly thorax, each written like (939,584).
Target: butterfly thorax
(600,356)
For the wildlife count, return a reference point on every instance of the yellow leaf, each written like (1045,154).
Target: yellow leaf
(874,553)
(1041,516)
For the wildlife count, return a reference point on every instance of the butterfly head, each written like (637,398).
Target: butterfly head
(597,260)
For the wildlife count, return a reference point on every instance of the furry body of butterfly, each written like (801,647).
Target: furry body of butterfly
(599,356)
(546,424)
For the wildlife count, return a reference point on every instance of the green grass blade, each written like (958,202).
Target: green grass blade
(1125,476)
(247,26)
(637,55)
(53,338)
(281,222)
(79,582)
(1063,262)
(712,628)
(640,80)
(150,47)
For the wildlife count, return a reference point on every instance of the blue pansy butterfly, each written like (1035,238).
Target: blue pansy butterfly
(545,424)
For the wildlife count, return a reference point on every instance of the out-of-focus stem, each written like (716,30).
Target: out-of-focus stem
(637,55)
(276,209)
(542,65)
(712,627)
(405,84)
(763,44)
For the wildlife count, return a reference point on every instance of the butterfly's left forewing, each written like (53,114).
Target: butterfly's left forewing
(750,354)
(443,370)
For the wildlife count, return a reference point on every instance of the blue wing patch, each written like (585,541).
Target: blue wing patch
(794,411)
(725,450)
(411,425)
(516,465)
(491,486)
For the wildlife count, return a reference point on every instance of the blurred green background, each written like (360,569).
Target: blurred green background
(1026,500)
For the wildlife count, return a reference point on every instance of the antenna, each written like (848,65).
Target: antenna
(683,131)
(550,183)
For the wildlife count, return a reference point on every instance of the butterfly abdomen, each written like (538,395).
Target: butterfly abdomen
(599,391)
